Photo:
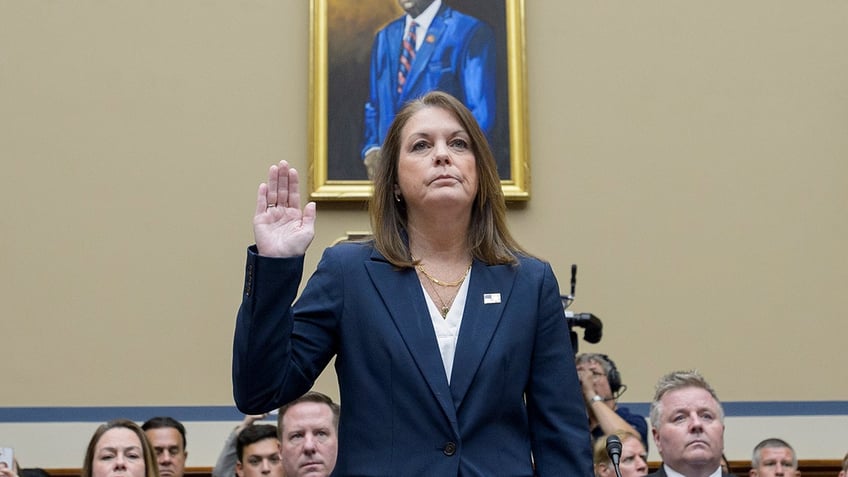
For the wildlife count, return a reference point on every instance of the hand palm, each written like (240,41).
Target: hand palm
(280,227)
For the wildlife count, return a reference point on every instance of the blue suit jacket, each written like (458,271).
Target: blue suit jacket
(514,388)
(457,56)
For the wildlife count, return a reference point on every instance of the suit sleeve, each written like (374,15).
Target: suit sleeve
(559,424)
(479,76)
(279,349)
(370,120)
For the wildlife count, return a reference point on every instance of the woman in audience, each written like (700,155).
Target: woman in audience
(119,449)
(633,461)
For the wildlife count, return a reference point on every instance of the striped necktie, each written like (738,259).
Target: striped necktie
(407,54)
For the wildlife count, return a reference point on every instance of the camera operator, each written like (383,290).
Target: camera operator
(601,383)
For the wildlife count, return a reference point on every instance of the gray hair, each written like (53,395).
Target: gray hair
(599,358)
(772,443)
(679,380)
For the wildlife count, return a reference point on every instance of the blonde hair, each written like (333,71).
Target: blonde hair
(599,451)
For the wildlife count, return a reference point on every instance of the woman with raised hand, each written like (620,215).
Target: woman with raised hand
(452,350)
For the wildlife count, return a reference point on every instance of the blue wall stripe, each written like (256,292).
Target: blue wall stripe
(103,414)
(767,408)
(230,413)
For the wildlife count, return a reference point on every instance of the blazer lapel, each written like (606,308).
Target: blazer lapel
(401,293)
(488,293)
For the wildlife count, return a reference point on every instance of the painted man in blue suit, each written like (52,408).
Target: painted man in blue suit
(453,52)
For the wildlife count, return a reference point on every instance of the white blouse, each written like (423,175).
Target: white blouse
(447,328)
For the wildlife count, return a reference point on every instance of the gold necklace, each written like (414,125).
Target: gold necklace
(435,280)
(445,307)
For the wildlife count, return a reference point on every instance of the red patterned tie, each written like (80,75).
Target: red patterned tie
(407,54)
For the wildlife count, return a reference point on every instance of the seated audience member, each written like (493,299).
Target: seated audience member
(844,471)
(688,426)
(633,461)
(225,466)
(308,428)
(774,457)
(119,447)
(601,383)
(258,451)
(168,438)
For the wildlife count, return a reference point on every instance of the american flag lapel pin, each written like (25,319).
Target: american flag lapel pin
(490,298)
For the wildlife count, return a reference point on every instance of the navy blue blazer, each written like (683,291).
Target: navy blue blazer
(514,388)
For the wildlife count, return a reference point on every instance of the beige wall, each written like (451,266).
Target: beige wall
(690,157)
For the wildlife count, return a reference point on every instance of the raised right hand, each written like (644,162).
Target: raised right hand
(280,227)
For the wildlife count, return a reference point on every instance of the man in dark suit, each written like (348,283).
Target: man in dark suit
(688,426)
(167,436)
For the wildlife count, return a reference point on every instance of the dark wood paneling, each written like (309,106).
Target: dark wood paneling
(808,468)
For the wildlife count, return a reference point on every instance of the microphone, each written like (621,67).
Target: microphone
(614,452)
(591,324)
(567,300)
(573,278)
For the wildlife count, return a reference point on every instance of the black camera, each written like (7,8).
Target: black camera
(593,327)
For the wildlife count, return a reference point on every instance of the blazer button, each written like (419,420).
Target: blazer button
(450,449)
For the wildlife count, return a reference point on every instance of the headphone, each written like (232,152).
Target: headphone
(613,376)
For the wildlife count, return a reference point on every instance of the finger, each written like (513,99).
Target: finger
(273,180)
(283,185)
(261,198)
(309,214)
(293,199)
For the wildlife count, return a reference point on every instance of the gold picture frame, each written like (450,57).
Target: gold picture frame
(341,36)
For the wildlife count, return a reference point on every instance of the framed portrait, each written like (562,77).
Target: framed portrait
(473,49)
